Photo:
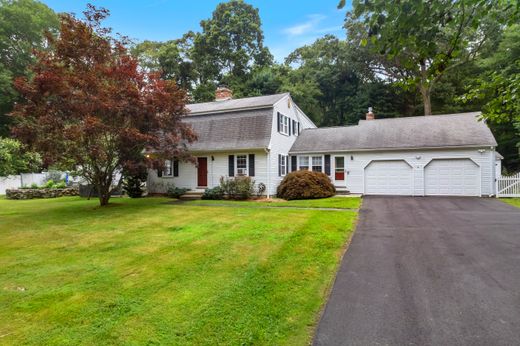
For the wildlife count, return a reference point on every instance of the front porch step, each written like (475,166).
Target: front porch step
(191,196)
(342,192)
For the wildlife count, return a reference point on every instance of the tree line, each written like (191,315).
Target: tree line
(403,59)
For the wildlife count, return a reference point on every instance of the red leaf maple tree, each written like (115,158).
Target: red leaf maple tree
(90,108)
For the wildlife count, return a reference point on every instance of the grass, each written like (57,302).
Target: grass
(512,201)
(332,202)
(146,272)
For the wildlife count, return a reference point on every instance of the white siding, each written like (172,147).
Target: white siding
(357,161)
(281,144)
(217,167)
(266,164)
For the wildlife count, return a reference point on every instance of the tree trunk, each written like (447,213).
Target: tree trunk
(425,89)
(104,194)
(104,198)
(426,98)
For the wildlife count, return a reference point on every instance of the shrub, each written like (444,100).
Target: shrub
(305,185)
(34,186)
(176,192)
(213,193)
(49,184)
(133,184)
(60,185)
(238,188)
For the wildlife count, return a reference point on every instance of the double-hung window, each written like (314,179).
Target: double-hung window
(241,165)
(303,164)
(317,164)
(312,163)
(168,168)
(283,161)
(284,124)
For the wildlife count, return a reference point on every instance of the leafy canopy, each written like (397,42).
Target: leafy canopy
(23,24)
(14,159)
(417,42)
(90,108)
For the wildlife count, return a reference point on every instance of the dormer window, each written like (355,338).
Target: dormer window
(284,124)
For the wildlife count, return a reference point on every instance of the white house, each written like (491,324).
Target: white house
(266,137)
(249,136)
(447,155)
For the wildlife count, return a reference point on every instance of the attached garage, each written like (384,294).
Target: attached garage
(388,177)
(452,177)
(436,155)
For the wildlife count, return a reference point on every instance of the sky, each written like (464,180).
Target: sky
(287,24)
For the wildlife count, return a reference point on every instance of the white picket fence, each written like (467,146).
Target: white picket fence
(508,186)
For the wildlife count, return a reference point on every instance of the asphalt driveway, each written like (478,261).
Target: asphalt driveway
(428,271)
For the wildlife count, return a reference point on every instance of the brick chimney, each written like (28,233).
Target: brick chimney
(222,94)
(370,114)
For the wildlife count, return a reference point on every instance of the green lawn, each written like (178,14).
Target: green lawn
(332,202)
(512,201)
(146,272)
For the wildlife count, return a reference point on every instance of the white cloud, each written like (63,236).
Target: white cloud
(305,33)
(305,28)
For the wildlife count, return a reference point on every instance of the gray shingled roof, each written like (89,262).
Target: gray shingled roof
(450,130)
(235,104)
(232,130)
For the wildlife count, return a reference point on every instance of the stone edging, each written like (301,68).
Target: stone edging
(40,193)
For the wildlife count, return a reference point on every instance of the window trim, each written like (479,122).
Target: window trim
(299,166)
(170,171)
(310,165)
(284,124)
(284,165)
(246,168)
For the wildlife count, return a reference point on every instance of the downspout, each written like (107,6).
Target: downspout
(268,152)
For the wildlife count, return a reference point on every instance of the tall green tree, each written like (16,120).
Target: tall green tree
(418,42)
(23,24)
(171,59)
(497,88)
(14,159)
(344,88)
(230,45)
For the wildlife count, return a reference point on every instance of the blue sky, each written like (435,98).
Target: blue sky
(287,24)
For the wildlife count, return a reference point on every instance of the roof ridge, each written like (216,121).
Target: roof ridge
(242,98)
(329,127)
(427,116)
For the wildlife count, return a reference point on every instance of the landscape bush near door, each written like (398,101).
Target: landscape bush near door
(305,185)
(238,188)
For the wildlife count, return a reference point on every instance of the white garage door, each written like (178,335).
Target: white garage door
(388,178)
(453,177)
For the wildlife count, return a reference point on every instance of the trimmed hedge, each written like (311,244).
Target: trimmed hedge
(305,185)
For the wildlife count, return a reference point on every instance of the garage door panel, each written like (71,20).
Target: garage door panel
(452,177)
(388,178)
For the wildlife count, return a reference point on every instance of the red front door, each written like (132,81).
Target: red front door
(202,171)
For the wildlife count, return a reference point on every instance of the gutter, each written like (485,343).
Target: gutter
(473,146)
(204,151)
(268,152)
(230,110)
